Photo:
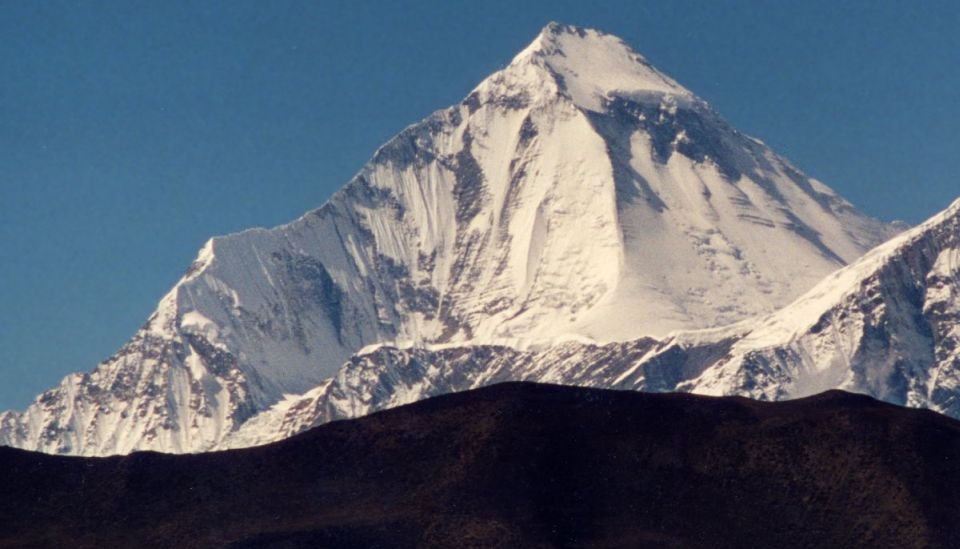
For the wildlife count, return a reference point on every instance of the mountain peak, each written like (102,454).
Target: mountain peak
(554,28)
(592,66)
(576,195)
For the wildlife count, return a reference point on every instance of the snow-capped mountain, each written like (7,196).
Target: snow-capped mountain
(887,326)
(577,194)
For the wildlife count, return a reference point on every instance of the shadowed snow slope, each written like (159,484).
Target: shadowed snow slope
(577,194)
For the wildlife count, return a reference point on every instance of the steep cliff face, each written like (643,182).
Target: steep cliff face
(578,193)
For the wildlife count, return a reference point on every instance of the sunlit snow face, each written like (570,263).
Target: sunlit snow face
(575,206)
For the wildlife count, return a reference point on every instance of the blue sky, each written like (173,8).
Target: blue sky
(130,132)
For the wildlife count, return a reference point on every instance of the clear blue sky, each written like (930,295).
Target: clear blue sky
(130,131)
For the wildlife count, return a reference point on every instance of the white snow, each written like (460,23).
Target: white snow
(595,66)
(528,217)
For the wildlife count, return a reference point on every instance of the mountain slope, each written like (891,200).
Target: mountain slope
(578,193)
(886,326)
(523,465)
